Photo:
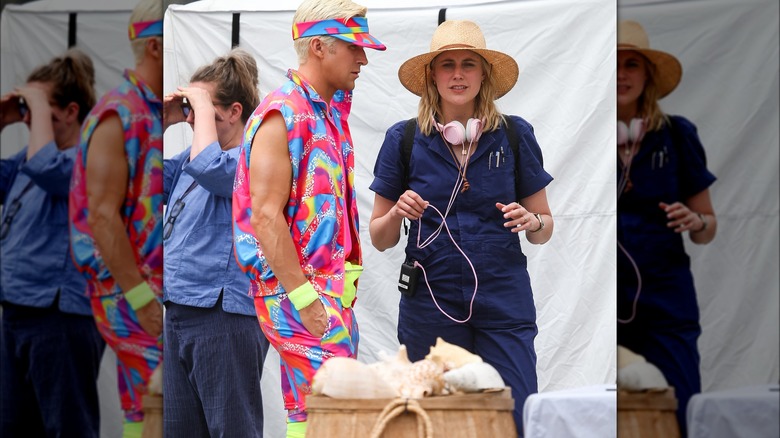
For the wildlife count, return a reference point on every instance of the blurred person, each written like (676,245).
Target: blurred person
(483,170)
(212,388)
(50,349)
(294,205)
(663,194)
(115,213)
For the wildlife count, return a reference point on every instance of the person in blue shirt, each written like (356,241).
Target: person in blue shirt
(50,349)
(468,194)
(663,194)
(216,350)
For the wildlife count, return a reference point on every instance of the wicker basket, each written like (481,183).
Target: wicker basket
(647,414)
(486,414)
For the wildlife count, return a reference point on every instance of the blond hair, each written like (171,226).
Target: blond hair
(145,10)
(647,104)
(236,77)
(315,10)
(72,76)
(484,103)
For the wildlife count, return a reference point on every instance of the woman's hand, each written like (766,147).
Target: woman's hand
(681,218)
(518,218)
(173,112)
(10,109)
(199,101)
(410,206)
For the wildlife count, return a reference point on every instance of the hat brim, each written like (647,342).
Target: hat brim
(668,70)
(361,39)
(504,70)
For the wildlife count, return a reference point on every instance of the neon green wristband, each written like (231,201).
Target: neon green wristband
(303,295)
(139,296)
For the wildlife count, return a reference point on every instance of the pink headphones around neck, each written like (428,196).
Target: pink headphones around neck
(455,133)
(632,133)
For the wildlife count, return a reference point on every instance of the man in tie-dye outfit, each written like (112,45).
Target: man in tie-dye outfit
(294,206)
(115,210)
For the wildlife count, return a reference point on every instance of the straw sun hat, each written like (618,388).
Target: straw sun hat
(668,70)
(459,35)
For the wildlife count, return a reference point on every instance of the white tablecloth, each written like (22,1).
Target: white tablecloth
(749,412)
(584,412)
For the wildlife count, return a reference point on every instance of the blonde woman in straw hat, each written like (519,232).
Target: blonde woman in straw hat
(472,287)
(662,196)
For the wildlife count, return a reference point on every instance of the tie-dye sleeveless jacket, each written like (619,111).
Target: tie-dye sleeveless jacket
(140,111)
(321,211)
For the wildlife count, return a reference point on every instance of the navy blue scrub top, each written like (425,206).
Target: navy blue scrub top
(474,221)
(670,166)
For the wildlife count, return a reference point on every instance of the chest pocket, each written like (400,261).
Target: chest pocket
(496,175)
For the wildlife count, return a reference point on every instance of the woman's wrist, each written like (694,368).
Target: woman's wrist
(538,217)
(703,219)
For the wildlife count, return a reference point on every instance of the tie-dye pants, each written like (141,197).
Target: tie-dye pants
(301,353)
(137,352)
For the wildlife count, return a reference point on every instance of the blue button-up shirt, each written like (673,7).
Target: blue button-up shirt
(36,259)
(198,257)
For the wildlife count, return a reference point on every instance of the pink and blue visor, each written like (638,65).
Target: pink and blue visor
(354,31)
(143,29)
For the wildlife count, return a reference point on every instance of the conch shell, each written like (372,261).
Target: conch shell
(423,378)
(474,377)
(392,369)
(451,356)
(343,377)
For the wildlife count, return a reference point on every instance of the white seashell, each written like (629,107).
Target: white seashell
(635,373)
(474,377)
(451,356)
(639,376)
(627,357)
(343,377)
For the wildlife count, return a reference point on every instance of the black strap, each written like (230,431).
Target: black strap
(26,189)
(236,29)
(406,147)
(511,136)
(71,29)
(408,142)
(189,189)
(442,15)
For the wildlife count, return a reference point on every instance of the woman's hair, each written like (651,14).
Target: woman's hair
(315,10)
(145,10)
(72,76)
(235,78)
(647,104)
(484,104)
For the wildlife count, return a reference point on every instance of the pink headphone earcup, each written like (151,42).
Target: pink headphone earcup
(622,132)
(636,130)
(454,132)
(473,129)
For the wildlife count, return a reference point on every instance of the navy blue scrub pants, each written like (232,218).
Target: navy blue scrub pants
(508,348)
(211,372)
(49,363)
(673,350)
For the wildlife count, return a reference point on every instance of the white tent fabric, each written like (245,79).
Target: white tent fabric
(729,89)
(566,89)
